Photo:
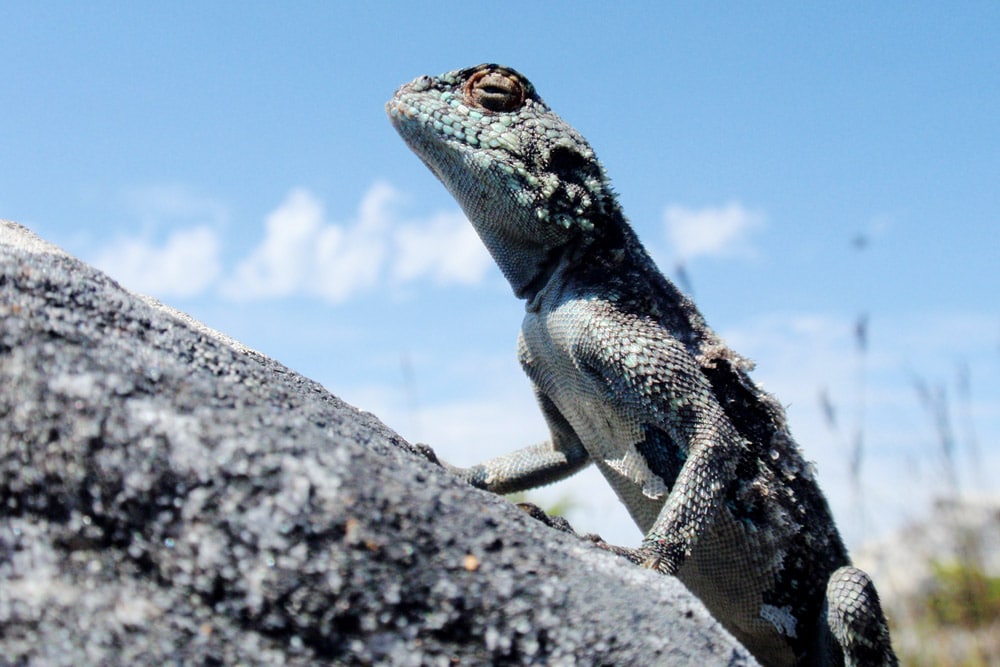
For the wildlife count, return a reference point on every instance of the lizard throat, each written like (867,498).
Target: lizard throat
(533,290)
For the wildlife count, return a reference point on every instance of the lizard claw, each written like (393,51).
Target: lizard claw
(657,563)
(662,558)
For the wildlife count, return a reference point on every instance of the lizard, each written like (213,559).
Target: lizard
(630,378)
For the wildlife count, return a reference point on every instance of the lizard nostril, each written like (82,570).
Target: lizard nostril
(422,83)
(494,90)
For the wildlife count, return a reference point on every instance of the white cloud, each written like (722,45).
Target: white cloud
(177,250)
(185,265)
(350,259)
(445,248)
(278,266)
(303,253)
(713,231)
(166,203)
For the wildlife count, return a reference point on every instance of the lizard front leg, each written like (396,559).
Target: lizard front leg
(697,493)
(528,468)
(678,429)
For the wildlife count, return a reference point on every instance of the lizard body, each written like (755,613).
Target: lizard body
(631,378)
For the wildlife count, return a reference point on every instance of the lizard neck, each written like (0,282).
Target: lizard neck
(559,276)
(534,291)
(610,248)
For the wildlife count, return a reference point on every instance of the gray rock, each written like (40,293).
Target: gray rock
(168,496)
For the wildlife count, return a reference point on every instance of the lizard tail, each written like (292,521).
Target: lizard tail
(855,622)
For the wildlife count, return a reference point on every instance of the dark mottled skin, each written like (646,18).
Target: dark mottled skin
(631,379)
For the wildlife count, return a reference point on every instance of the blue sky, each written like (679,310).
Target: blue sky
(806,164)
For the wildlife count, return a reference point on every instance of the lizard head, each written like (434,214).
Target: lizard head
(528,182)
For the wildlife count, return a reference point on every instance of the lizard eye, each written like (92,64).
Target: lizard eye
(494,90)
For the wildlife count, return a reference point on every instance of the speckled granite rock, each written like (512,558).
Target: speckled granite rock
(168,496)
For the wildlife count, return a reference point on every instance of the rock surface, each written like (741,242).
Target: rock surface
(168,496)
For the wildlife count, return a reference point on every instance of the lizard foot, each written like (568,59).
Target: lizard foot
(425,451)
(476,475)
(643,556)
(632,555)
(557,522)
